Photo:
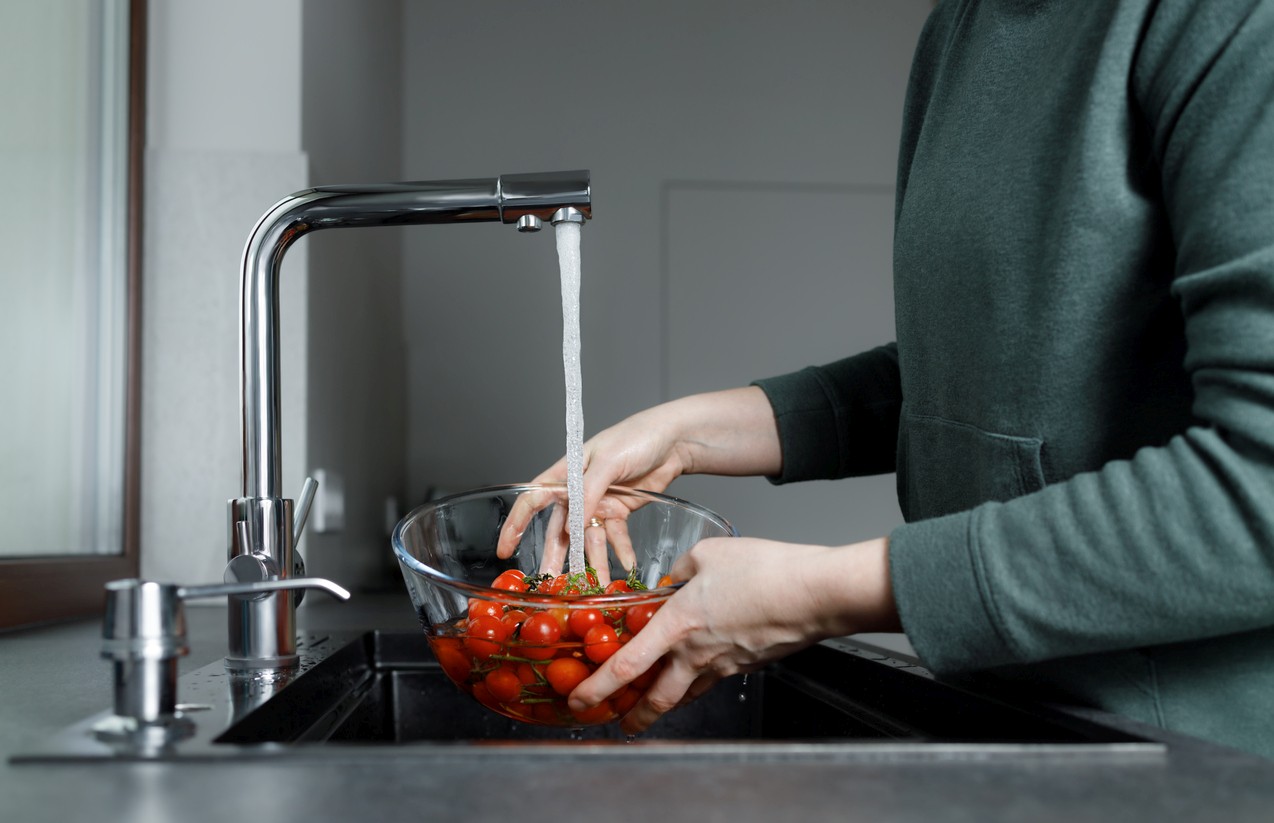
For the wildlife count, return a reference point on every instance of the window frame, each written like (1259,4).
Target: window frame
(49,588)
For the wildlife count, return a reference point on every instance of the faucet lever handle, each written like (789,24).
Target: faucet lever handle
(256,587)
(303,509)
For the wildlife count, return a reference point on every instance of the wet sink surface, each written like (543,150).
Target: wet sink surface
(382,693)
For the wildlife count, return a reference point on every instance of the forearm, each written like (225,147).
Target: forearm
(847,590)
(730,432)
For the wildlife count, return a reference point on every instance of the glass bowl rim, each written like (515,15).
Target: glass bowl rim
(459,586)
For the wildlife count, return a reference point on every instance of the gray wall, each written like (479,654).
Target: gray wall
(743,165)
(356,408)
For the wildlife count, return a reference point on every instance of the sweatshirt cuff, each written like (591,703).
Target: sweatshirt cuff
(946,608)
(805,415)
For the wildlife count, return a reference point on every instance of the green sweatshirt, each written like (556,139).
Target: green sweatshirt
(1080,402)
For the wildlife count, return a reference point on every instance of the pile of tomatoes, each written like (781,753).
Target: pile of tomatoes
(523,661)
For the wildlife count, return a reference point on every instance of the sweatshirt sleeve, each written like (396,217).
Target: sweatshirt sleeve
(1177,542)
(838,420)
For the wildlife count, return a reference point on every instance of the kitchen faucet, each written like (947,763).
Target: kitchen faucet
(263,526)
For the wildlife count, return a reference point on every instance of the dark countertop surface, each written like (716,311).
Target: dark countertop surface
(52,677)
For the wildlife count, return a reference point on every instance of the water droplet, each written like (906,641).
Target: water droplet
(743,698)
(745,679)
(630,738)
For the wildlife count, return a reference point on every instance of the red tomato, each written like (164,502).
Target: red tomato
(638,616)
(617,586)
(539,633)
(546,714)
(598,714)
(581,620)
(563,618)
(484,696)
(480,607)
(512,619)
(521,711)
(565,673)
(646,679)
(600,643)
(557,585)
(484,636)
(625,702)
(503,684)
(526,674)
(512,580)
(451,655)
(666,580)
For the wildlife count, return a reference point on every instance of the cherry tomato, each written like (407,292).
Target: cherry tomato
(600,643)
(565,673)
(503,684)
(581,620)
(666,580)
(512,619)
(557,585)
(513,580)
(563,618)
(638,616)
(526,674)
(625,702)
(646,679)
(521,711)
(451,655)
(479,607)
(484,696)
(539,633)
(598,714)
(484,636)
(546,714)
(617,587)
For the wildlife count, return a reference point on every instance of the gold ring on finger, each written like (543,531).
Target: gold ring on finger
(594,522)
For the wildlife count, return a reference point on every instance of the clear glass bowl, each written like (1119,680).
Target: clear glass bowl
(499,646)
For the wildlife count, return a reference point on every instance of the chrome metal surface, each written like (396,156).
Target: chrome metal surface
(291,583)
(529,223)
(144,633)
(567,215)
(303,508)
(308,489)
(502,199)
(262,632)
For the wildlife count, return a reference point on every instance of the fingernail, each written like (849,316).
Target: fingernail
(576,705)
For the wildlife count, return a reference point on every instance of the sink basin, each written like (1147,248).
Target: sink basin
(383,694)
(833,694)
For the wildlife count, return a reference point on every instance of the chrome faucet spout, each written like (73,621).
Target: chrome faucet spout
(262,632)
(503,199)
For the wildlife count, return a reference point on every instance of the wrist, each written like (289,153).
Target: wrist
(850,590)
(731,432)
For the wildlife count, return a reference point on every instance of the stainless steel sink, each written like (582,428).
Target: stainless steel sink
(382,693)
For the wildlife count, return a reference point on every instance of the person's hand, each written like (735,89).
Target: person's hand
(729,432)
(745,603)
(639,452)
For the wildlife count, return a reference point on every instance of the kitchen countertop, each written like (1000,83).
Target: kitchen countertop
(51,677)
